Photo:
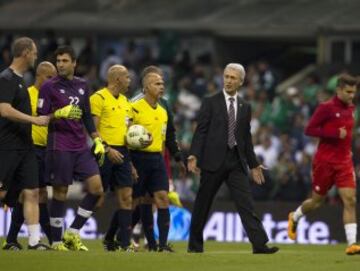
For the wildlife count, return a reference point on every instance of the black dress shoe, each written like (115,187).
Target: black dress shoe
(265,250)
(191,250)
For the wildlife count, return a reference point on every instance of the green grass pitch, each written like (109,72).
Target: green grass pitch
(218,256)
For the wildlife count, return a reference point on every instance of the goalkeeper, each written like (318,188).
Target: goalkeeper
(66,98)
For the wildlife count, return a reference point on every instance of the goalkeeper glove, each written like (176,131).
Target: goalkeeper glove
(98,150)
(70,111)
(174,199)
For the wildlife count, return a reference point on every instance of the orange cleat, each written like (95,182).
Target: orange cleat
(353,249)
(292,225)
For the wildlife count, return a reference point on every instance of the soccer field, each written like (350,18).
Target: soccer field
(218,256)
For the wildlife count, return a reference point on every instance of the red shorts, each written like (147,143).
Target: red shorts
(325,175)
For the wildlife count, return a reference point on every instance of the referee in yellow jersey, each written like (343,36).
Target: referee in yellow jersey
(149,161)
(45,70)
(112,114)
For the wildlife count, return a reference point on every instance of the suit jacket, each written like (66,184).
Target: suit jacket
(209,143)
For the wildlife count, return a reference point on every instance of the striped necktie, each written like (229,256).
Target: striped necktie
(231,127)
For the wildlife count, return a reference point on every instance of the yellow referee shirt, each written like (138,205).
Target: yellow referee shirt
(39,133)
(114,116)
(154,120)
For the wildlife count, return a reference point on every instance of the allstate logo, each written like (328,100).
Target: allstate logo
(179,224)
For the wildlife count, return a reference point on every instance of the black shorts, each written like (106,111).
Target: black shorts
(18,171)
(152,173)
(40,153)
(116,175)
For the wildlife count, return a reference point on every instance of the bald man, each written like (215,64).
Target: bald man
(112,114)
(44,71)
(149,161)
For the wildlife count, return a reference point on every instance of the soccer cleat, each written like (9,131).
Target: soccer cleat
(110,245)
(135,242)
(59,247)
(167,248)
(130,248)
(39,246)
(151,248)
(73,242)
(292,225)
(353,249)
(14,246)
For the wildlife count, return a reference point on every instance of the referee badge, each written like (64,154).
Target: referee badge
(127,120)
(163,129)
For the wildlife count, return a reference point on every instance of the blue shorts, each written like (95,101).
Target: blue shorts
(40,153)
(152,173)
(117,175)
(62,167)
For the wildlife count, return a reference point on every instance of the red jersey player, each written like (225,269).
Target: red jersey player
(332,123)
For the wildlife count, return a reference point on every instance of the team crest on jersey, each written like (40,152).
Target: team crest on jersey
(62,91)
(20,86)
(337,115)
(81,91)
(40,103)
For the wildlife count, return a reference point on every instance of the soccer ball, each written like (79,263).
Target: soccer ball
(136,135)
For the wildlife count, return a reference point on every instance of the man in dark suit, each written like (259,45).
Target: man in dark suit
(223,149)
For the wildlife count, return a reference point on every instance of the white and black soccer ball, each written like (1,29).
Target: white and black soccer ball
(136,136)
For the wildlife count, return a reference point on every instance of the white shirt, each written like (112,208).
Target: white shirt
(227,96)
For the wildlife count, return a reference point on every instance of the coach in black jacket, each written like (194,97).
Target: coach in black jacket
(223,149)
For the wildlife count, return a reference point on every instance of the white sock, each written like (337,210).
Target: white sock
(298,214)
(34,234)
(350,232)
(137,229)
(84,213)
(72,230)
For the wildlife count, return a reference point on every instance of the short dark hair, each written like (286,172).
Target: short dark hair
(66,49)
(150,69)
(347,79)
(20,45)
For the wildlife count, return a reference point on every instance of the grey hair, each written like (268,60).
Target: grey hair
(238,67)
